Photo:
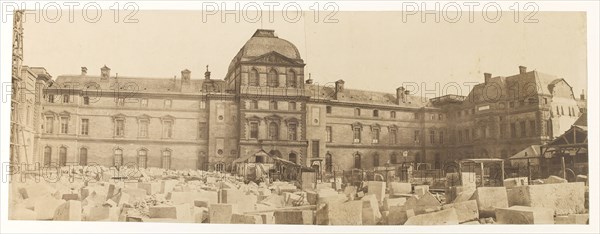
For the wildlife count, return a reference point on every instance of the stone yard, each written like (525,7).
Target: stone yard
(157,195)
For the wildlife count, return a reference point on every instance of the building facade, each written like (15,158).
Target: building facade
(27,86)
(266,103)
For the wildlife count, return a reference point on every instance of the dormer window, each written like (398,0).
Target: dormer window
(168,103)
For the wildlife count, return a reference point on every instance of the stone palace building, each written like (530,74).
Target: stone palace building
(267,102)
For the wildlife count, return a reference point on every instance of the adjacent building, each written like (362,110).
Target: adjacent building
(266,102)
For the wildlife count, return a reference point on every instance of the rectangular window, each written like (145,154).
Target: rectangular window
(532,128)
(86,101)
(467,135)
(328,134)
(144,128)
(144,102)
(254,105)
(393,135)
(49,125)
(85,123)
(328,109)
(356,134)
(502,131)
(168,129)
(392,114)
(376,136)
(523,128)
(120,127)
(202,105)
(416,115)
(254,130)
(201,130)
(315,149)
(168,103)
(121,102)
(51,98)
(432,137)
(292,131)
(513,130)
(66,98)
(292,106)
(64,125)
(441,140)
(417,136)
(460,136)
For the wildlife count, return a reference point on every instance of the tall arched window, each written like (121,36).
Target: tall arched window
(375,160)
(118,157)
(272,78)
(47,155)
(166,159)
(357,161)
(291,79)
(253,78)
(142,158)
(83,156)
(293,158)
(328,163)
(273,131)
(62,156)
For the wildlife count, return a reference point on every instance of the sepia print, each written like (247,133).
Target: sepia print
(267,136)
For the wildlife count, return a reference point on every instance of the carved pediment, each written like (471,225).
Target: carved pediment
(273,58)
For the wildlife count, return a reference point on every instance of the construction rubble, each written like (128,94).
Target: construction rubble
(157,195)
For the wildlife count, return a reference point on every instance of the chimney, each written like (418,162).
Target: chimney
(339,88)
(185,76)
(104,73)
(400,95)
(207,73)
(522,69)
(83,71)
(310,80)
(487,77)
(582,95)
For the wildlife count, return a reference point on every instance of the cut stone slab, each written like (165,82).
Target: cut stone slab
(389,202)
(377,188)
(305,217)
(421,189)
(554,180)
(398,188)
(572,219)
(220,213)
(340,213)
(167,186)
(524,215)
(200,215)
(151,188)
(459,193)
(103,214)
(399,214)
(514,182)
(370,214)
(22,214)
(423,204)
(34,190)
(70,196)
(443,217)
(229,196)
(582,178)
(135,194)
(563,198)
(46,206)
(246,219)
(68,211)
(489,199)
(466,211)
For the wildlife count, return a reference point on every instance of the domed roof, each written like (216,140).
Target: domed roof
(264,41)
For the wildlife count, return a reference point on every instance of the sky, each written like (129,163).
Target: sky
(369,50)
